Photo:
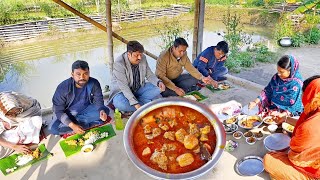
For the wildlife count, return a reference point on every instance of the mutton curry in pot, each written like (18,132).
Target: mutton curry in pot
(168,139)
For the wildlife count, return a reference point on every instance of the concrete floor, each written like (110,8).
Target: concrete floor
(109,159)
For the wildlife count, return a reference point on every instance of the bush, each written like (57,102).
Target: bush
(47,8)
(297,39)
(283,29)
(261,53)
(246,59)
(235,37)
(237,60)
(312,36)
(233,63)
(169,33)
(6,13)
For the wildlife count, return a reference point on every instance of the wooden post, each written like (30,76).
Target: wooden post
(198,28)
(98,25)
(110,57)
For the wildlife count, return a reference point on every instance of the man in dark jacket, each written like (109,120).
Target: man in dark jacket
(210,62)
(78,102)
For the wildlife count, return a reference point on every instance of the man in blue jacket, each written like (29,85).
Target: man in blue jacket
(78,102)
(211,61)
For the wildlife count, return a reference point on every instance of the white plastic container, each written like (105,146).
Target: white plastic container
(272,128)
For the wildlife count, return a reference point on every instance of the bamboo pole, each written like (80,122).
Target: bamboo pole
(198,28)
(109,35)
(195,29)
(98,25)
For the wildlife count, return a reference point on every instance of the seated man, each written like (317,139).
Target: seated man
(210,62)
(129,90)
(78,102)
(170,66)
(20,123)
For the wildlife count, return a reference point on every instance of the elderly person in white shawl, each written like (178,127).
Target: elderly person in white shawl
(20,123)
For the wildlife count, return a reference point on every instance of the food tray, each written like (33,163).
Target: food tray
(255,125)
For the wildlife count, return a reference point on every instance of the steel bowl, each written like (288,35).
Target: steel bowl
(256,117)
(174,101)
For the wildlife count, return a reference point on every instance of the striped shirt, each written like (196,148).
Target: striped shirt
(136,78)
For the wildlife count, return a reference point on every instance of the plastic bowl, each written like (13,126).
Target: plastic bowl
(87,148)
(253,142)
(258,138)
(248,134)
(237,134)
(287,127)
(230,128)
(272,127)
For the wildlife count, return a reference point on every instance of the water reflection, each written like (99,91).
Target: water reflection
(44,65)
(12,75)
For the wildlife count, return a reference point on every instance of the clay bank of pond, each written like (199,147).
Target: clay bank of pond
(39,67)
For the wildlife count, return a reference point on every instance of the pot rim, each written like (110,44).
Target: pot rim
(174,101)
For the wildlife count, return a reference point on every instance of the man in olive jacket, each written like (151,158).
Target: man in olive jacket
(129,89)
(170,66)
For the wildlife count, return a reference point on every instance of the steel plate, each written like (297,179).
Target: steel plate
(277,142)
(249,166)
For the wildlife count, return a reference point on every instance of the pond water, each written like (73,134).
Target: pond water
(42,66)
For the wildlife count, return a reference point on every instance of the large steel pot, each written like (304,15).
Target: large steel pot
(141,112)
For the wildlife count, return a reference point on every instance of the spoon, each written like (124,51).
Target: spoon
(226,126)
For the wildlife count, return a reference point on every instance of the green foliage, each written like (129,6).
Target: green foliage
(233,63)
(247,59)
(261,53)
(235,37)
(283,29)
(6,13)
(169,32)
(221,2)
(254,3)
(297,39)
(312,36)
(19,68)
(311,19)
(47,8)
